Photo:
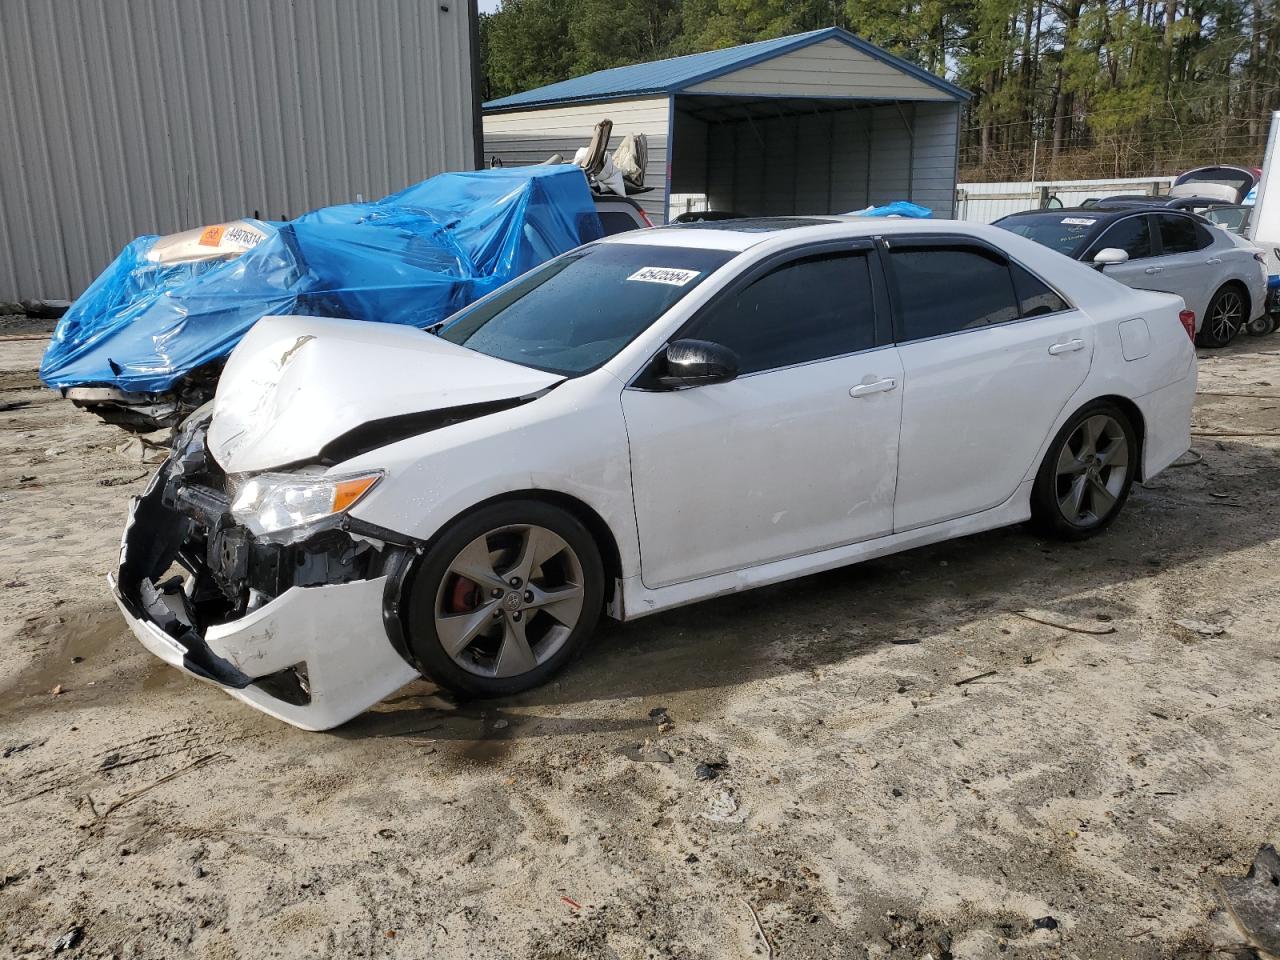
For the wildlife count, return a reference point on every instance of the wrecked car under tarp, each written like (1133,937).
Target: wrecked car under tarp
(144,345)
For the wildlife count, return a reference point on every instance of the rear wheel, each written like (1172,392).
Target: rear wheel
(1227,314)
(504,598)
(1087,474)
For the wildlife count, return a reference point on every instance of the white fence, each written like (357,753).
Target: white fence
(985,202)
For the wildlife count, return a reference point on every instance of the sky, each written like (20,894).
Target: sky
(489,6)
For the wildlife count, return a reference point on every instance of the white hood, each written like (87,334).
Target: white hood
(295,383)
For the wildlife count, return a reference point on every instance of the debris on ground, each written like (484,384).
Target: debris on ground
(710,769)
(1044,923)
(68,940)
(1202,627)
(723,807)
(663,720)
(1051,620)
(976,677)
(645,753)
(1254,900)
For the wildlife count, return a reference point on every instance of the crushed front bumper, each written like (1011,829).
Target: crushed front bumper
(314,655)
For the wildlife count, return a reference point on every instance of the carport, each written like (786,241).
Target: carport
(820,122)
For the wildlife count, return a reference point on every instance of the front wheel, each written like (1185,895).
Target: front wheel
(1225,317)
(504,598)
(1262,326)
(1087,473)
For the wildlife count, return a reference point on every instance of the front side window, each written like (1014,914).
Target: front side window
(808,309)
(1132,235)
(945,288)
(1178,234)
(576,312)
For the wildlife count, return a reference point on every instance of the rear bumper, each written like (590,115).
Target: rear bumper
(313,656)
(1167,415)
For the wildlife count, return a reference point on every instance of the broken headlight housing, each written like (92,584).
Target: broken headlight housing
(270,502)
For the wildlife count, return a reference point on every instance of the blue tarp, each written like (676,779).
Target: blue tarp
(899,208)
(414,257)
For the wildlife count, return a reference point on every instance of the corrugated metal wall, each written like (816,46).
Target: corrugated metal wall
(821,162)
(531,136)
(126,117)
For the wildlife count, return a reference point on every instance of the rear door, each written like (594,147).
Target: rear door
(990,356)
(797,454)
(1188,268)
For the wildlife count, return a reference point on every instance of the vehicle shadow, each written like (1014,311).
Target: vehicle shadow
(1190,514)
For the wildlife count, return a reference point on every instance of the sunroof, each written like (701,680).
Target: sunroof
(757,224)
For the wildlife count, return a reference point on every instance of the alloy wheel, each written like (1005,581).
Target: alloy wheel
(509,600)
(1091,470)
(1227,316)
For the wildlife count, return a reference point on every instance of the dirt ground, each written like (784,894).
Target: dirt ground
(872,805)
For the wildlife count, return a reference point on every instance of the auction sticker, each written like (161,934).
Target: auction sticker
(1079,221)
(674,276)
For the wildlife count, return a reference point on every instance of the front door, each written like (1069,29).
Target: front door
(797,454)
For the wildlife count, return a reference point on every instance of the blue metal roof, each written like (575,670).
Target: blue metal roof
(671,76)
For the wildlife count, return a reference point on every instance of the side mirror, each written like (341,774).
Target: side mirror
(1108,256)
(696,363)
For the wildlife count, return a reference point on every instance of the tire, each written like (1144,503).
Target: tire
(522,617)
(1225,317)
(1077,478)
(1262,326)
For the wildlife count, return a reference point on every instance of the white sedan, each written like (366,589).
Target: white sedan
(653,419)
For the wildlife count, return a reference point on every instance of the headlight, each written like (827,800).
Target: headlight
(269,502)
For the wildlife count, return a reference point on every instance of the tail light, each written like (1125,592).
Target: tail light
(1188,320)
(1260,256)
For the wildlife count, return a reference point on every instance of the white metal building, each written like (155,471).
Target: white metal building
(819,122)
(124,117)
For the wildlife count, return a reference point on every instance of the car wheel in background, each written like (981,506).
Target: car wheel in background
(1087,473)
(1227,314)
(1263,325)
(504,598)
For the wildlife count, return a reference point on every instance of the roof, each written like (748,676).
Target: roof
(1097,213)
(739,235)
(673,75)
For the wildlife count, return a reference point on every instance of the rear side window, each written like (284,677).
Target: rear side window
(1132,235)
(1178,234)
(1034,296)
(809,309)
(615,221)
(946,288)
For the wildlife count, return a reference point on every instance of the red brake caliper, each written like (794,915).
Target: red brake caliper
(464,595)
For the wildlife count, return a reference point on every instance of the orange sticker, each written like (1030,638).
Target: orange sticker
(212,236)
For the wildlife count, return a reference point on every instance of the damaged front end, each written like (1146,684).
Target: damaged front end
(288,620)
(142,412)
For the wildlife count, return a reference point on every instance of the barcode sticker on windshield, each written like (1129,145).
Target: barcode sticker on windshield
(1079,221)
(672,275)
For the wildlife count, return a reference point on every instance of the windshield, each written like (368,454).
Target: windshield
(1064,232)
(575,313)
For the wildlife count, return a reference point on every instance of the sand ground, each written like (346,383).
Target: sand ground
(870,806)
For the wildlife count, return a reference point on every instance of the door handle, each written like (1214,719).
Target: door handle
(1071,346)
(1154,270)
(1214,260)
(867,389)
